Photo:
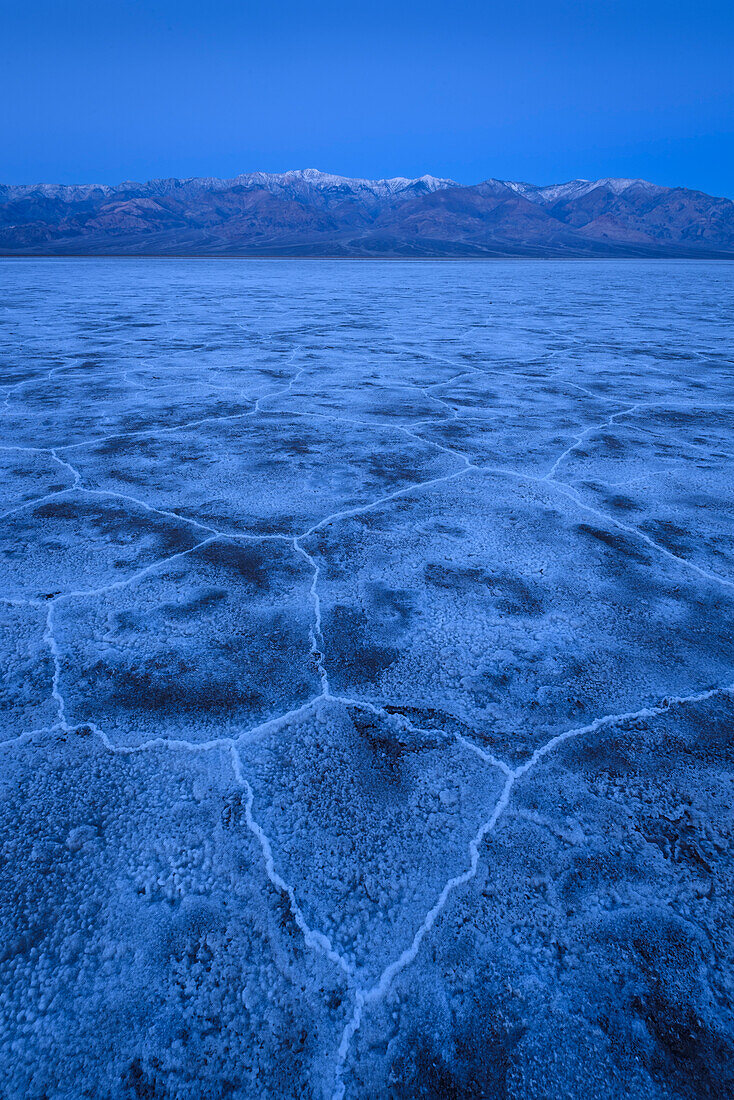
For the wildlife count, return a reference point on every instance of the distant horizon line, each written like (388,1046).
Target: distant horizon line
(270,257)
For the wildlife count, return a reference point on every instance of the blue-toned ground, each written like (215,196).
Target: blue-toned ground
(366,655)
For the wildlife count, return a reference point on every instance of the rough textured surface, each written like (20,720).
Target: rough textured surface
(366,676)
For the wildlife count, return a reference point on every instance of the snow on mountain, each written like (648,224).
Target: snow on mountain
(297,183)
(309,180)
(574,189)
(310,212)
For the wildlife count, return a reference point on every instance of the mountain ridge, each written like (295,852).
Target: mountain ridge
(312,213)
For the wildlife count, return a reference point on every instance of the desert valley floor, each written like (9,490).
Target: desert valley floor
(366,667)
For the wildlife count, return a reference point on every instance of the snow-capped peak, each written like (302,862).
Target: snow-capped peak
(573,189)
(326,181)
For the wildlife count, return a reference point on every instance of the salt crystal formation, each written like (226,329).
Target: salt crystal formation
(366,674)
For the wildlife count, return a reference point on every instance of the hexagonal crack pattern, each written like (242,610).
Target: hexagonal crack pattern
(366,659)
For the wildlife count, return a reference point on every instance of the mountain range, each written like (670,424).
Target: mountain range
(312,213)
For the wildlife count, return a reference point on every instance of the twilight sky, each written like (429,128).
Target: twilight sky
(106,90)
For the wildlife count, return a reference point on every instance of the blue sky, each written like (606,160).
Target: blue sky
(131,89)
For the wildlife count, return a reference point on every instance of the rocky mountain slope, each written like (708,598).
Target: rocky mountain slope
(312,213)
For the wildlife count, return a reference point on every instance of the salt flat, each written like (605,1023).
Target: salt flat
(366,667)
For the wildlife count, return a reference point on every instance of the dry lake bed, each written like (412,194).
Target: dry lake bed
(366,666)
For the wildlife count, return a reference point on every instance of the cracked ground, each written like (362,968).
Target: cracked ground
(366,664)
